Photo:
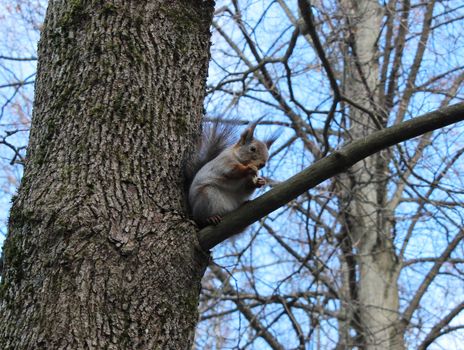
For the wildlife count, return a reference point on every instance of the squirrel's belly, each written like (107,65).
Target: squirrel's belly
(207,200)
(226,203)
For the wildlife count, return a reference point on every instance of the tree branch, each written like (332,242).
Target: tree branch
(414,303)
(325,168)
(9,58)
(438,329)
(260,329)
(307,15)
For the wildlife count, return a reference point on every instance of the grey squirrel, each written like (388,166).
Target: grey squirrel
(223,175)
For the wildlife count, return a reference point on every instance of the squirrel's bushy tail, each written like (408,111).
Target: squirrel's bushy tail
(217,135)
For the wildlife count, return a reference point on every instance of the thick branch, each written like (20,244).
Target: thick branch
(325,168)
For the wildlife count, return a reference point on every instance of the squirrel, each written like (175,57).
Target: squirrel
(223,175)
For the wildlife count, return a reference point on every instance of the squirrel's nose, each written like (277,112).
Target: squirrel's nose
(261,165)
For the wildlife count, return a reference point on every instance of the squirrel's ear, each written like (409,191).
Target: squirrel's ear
(270,140)
(247,135)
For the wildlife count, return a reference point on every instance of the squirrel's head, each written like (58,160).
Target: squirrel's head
(250,150)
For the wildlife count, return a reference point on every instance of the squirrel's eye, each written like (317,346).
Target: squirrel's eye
(253,149)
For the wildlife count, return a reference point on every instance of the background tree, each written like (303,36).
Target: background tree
(370,259)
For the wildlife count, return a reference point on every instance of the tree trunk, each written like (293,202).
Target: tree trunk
(100,253)
(374,296)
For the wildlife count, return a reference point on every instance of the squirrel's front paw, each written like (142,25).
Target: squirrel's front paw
(252,169)
(259,181)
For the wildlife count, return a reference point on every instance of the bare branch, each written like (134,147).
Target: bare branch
(430,276)
(307,14)
(33,58)
(260,329)
(17,84)
(438,329)
(417,62)
(325,168)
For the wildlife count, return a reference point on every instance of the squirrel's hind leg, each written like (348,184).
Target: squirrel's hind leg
(210,203)
(214,220)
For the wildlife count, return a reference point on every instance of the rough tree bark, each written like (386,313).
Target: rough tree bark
(100,254)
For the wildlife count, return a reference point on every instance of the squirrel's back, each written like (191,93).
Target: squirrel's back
(215,138)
